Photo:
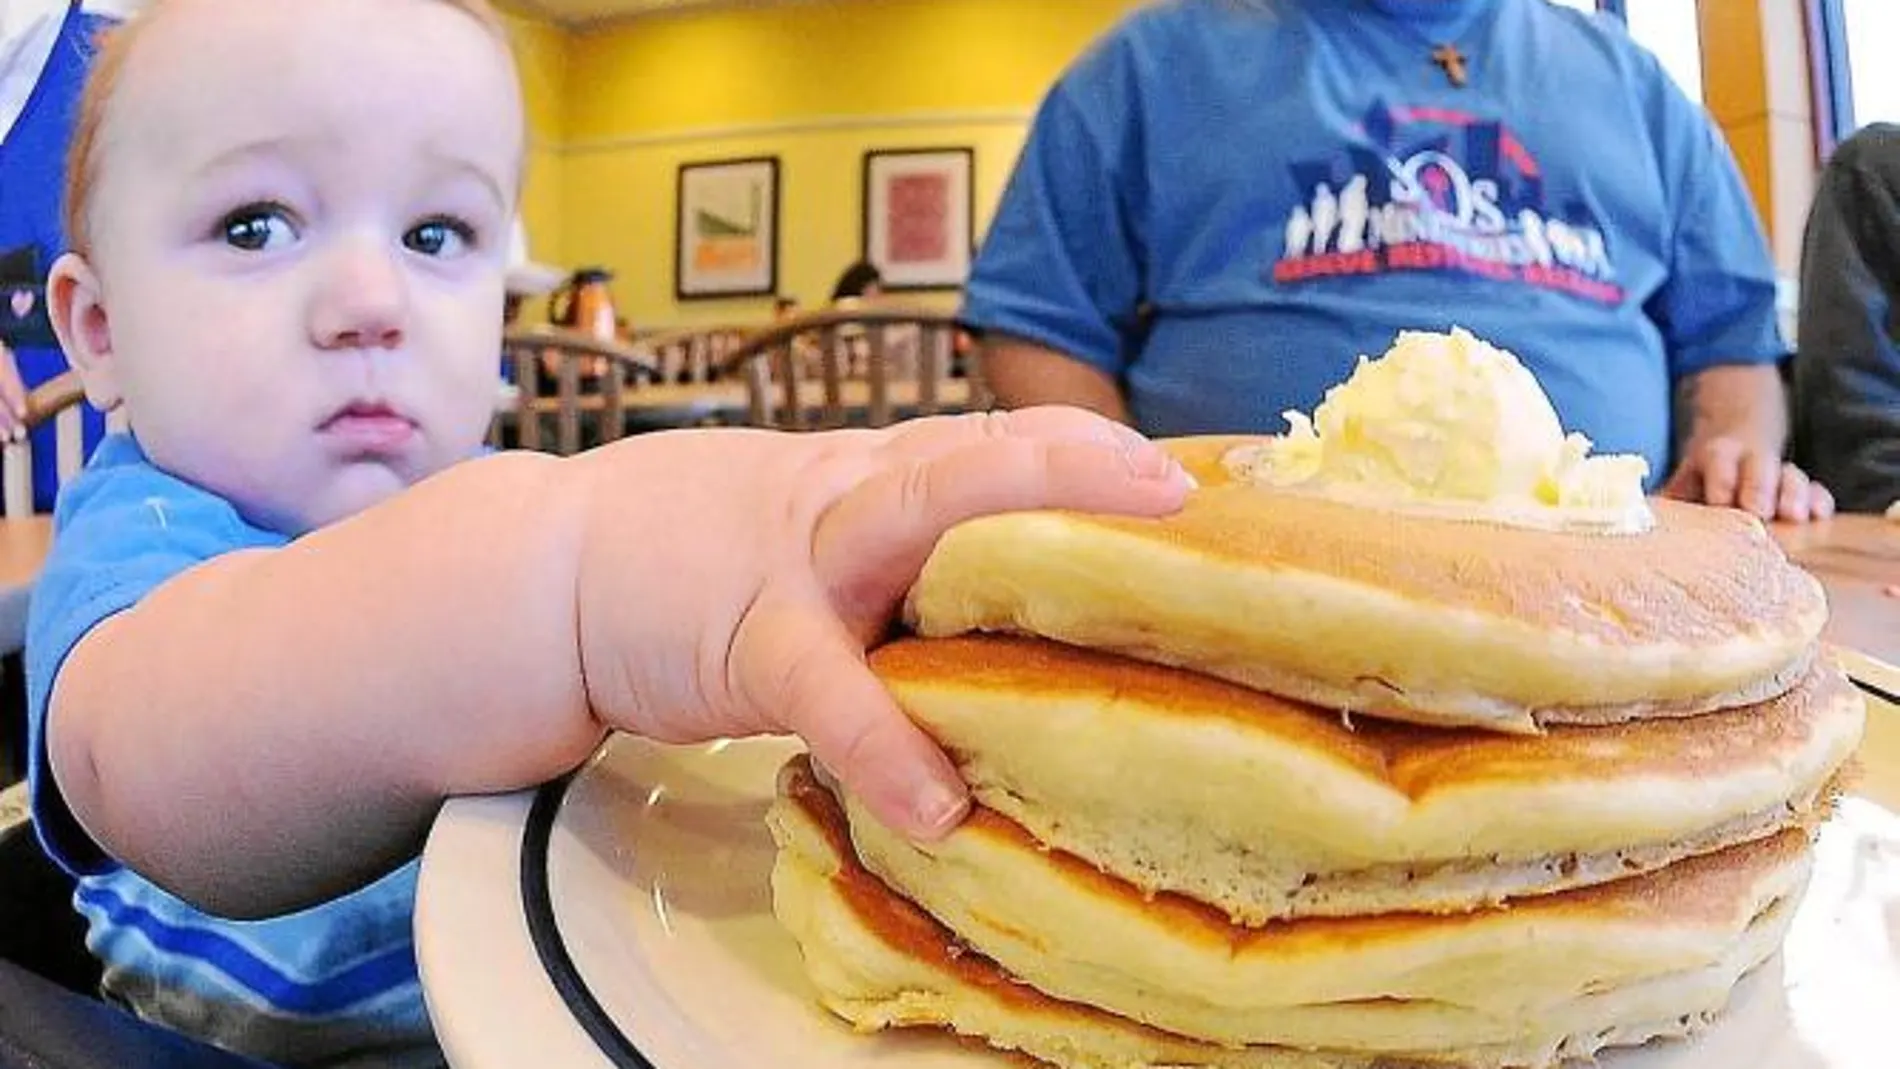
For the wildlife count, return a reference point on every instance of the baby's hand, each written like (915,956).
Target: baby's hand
(731,580)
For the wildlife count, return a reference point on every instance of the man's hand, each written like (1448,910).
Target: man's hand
(1732,473)
(1738,429)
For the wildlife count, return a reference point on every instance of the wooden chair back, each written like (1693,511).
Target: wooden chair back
(590,377)
(61,400)
(867,366)
(692,356)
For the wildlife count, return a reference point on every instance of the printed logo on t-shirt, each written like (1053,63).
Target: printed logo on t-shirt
(1437,190)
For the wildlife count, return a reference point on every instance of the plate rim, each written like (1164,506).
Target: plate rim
(520,832)
(544,930)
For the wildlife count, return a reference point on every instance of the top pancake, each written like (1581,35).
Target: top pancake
(1423,619)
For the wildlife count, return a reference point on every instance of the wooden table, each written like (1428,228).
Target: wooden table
(684,404)
(1857,558)
(23,546)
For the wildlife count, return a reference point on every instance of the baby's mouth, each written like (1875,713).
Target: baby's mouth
(369,426)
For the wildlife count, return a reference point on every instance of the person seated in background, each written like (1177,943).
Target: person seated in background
(862,280)
(1847,373)
(296,608)
(46,47)
(23,325)
(1225,203)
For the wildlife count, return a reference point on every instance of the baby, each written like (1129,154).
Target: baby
(294,608)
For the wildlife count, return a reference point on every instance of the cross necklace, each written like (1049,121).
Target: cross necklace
(1445,53)
(1452,62)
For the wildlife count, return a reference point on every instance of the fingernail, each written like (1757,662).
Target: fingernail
(1148,461)
(939,808)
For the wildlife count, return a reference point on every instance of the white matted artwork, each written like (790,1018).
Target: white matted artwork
(918,216)
(726,237)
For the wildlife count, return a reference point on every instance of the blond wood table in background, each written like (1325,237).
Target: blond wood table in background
(1857,558)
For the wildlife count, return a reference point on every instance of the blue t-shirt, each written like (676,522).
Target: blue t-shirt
(333,985)
(1225,203)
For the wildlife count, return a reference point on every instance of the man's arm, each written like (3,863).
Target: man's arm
(1716,310)
(1741,401)
(1023,374)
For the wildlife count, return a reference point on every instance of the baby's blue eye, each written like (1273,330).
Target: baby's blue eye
(257,228)
(439,237)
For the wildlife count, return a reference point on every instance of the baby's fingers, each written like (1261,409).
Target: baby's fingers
(810,678)
(873,542)
(928,439)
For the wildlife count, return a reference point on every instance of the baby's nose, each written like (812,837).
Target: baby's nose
(362,301)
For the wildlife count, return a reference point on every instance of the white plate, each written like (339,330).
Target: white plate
(656,878)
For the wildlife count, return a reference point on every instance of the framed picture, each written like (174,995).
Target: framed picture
(726,234)
(919,216)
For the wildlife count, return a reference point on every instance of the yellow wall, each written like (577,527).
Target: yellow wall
(623,213)
(838,57)
(541,56)
(815,84)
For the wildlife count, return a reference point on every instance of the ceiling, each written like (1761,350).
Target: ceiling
(583,12)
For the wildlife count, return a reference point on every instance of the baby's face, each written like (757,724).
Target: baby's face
(300,228)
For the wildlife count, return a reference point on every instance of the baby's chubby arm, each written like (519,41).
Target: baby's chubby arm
(274,728)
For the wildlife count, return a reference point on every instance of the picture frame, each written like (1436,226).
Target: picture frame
(726,227)
(919,224)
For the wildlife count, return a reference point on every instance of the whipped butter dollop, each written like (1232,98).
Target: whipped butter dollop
(1451,426)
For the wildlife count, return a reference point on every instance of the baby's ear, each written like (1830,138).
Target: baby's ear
(78,309)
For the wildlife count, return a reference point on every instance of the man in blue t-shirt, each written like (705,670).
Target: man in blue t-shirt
(1226,202)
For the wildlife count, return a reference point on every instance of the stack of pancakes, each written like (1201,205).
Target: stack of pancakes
(1281,782)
